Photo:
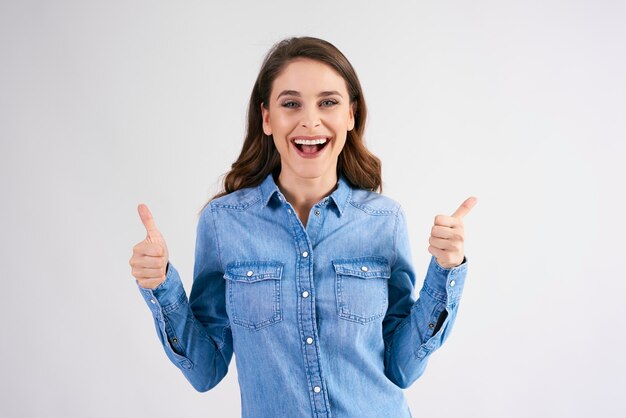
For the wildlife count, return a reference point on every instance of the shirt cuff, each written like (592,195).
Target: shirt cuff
(445,284)
(165,295)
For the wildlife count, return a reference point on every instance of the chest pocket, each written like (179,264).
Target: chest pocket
(253,291)
(361,288)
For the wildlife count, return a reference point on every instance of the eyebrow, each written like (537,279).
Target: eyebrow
(297,93)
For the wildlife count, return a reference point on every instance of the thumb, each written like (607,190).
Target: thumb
(465,207)
(148,221)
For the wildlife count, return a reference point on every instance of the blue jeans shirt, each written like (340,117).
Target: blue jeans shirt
(323,320)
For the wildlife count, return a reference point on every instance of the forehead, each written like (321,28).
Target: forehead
(308,76)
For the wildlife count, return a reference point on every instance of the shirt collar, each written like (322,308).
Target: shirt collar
(268,188)
(339,196)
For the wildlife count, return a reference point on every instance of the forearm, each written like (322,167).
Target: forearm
(427,326)
(201,352)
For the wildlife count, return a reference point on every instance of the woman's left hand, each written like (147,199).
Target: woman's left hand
(447,235)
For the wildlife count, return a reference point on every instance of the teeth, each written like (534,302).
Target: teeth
(300,141)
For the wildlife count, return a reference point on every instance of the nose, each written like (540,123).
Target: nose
(310,118)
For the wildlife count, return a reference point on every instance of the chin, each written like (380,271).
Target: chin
(313,172)
(310,174)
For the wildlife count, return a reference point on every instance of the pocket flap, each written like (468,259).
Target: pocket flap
(253,271)
(363,267)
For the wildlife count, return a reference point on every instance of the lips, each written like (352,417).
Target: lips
(310,146)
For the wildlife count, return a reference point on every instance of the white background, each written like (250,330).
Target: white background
(105,105)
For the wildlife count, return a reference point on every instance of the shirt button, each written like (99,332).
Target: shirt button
(325,201)
(431,325)
(249,274)
(317,212)
(364,268)
(305,294)
(452,283)
(317,389)
(309,340)
(152,300)
(289,211)
(305,254)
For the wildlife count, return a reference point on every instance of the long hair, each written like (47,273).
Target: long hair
(259,156)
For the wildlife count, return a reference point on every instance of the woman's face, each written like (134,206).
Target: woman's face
(309,117)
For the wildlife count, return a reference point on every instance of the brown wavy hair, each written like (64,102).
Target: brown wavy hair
(259,156)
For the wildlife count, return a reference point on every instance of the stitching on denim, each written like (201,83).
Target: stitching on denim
(348,198)
(265,199)
(276,309)
(237,270)
(217,241)
(310,364)
(342,271)
(342,266)
(240,206)
(356,262)
(370,211)
(174,305)
(440,268)
(395,235)
(440,297)
(184,361)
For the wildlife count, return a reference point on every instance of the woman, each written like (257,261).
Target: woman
(301,268)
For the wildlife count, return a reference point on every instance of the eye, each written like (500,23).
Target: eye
(289,104)
(329,102)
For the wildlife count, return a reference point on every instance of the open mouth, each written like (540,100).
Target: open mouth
(310,147)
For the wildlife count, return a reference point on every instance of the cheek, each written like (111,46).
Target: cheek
(340,121)
(339,145)
(339,142)
(281,147)
(282,122)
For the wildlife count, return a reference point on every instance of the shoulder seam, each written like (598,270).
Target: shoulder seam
(217,241)
(395,233)
(240,206)
(369,211)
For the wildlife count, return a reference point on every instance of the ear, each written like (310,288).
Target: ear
(267,126)
(351,119)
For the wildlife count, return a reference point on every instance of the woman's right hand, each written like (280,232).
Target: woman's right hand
(150,256)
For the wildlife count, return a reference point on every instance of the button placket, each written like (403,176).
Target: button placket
(308,330)
(307,318)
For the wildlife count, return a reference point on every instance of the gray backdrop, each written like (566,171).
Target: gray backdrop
(104,105)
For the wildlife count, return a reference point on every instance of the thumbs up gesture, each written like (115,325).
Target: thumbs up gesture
(447,236)
(150,256)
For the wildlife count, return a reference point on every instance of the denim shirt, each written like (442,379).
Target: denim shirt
(324,320)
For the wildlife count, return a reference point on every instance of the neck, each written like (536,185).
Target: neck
(303,193)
